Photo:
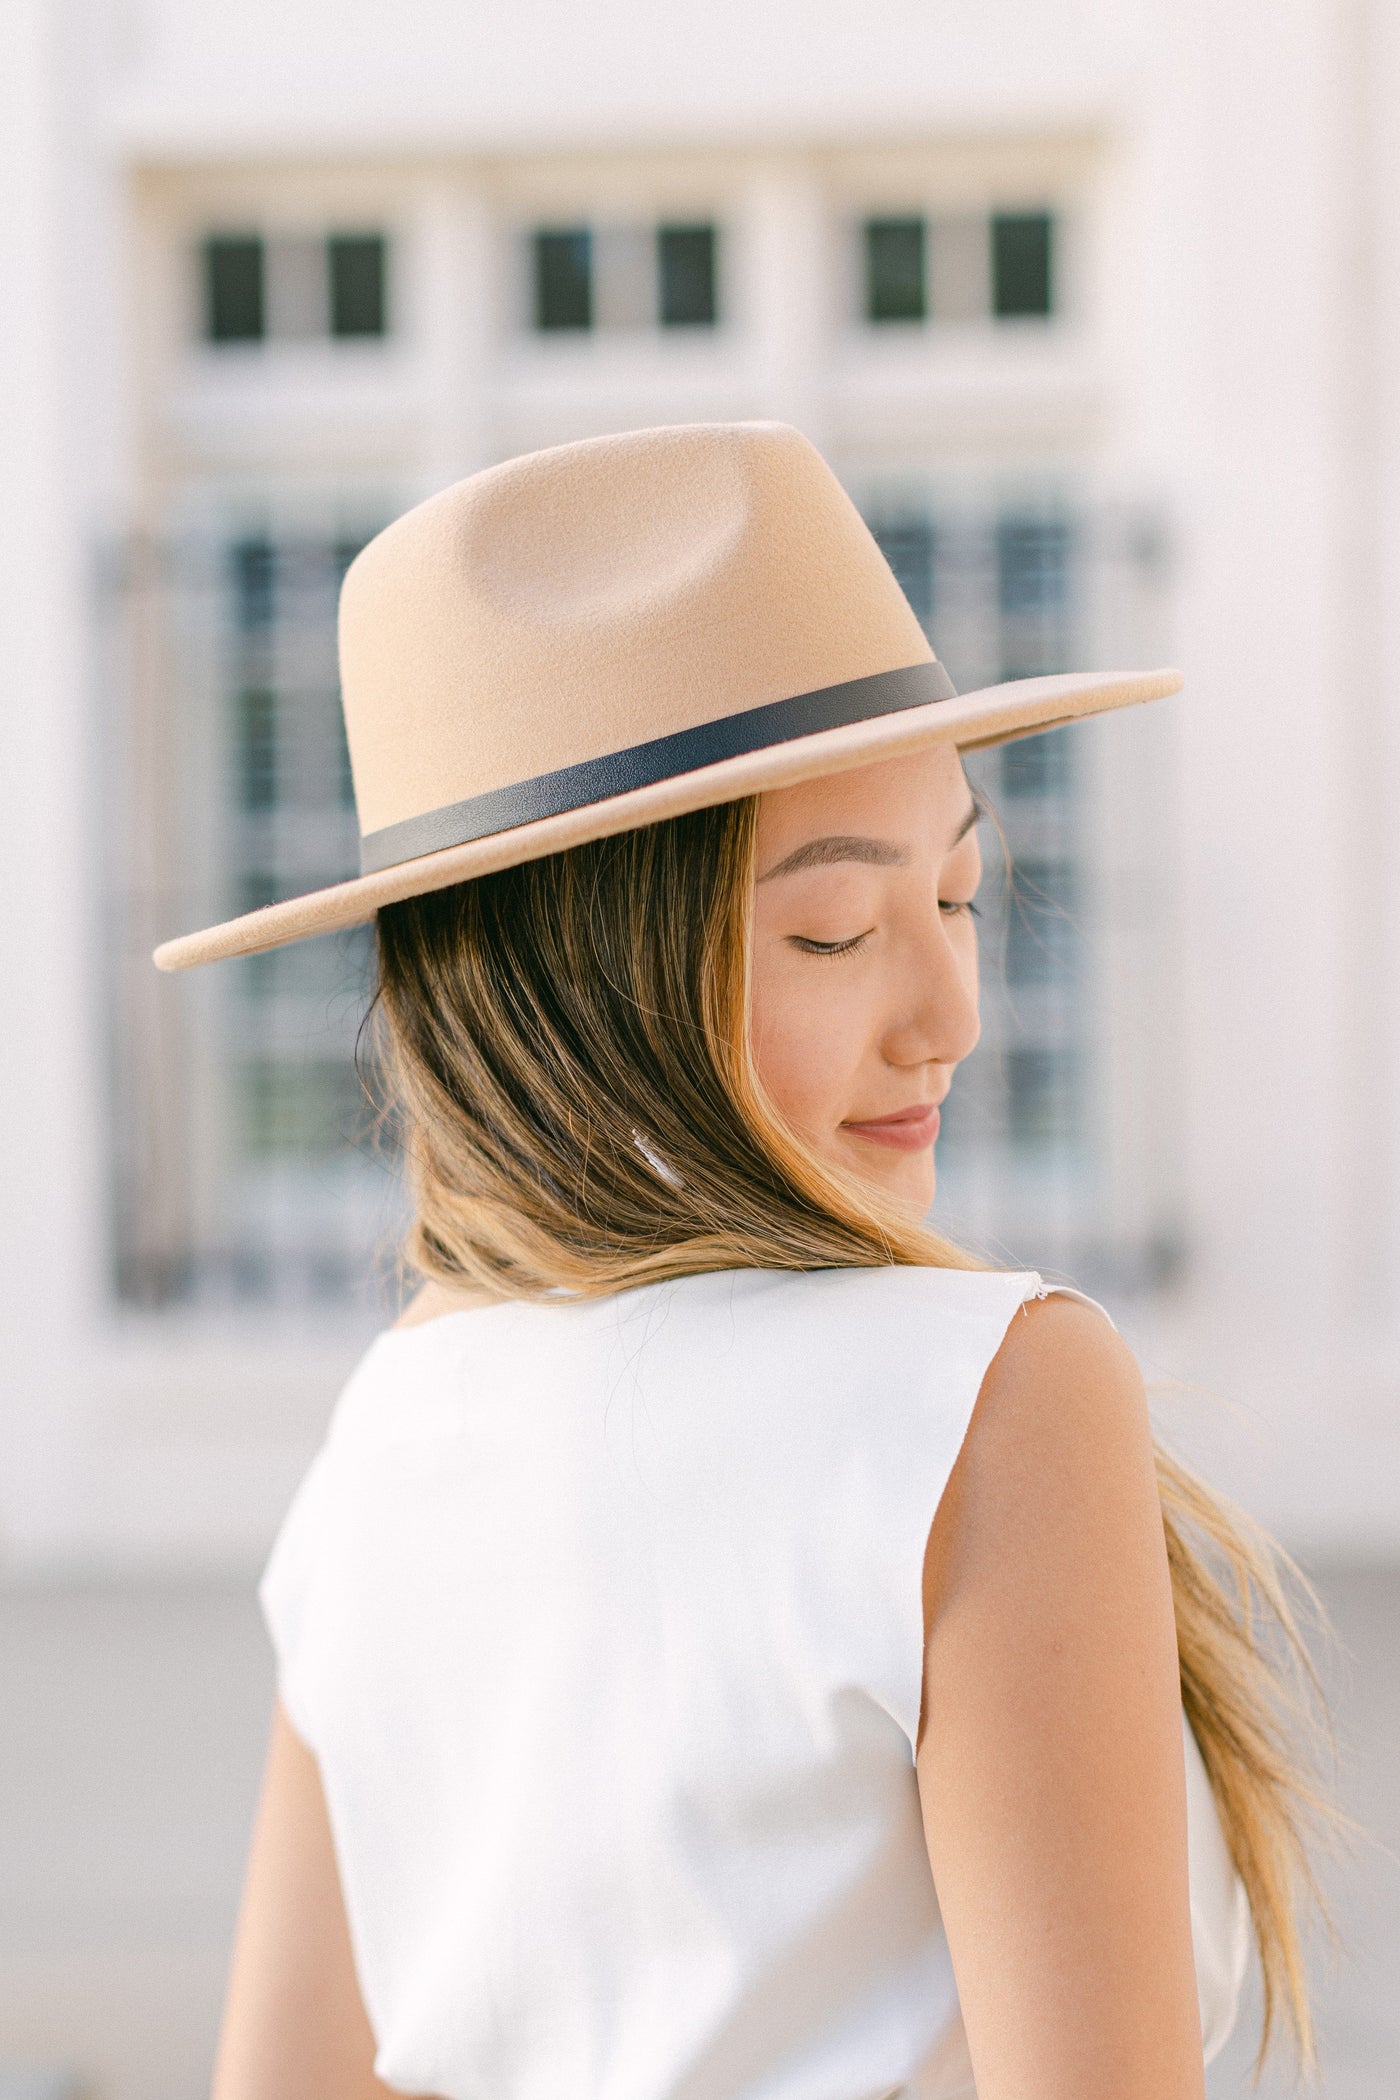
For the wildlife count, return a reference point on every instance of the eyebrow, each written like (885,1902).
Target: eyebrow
(822,853)
(873,853)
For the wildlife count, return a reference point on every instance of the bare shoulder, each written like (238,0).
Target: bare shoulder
(1059,1325)
(1057,1462)
(1063,1351)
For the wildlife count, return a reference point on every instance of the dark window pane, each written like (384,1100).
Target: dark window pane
(233,289)
(357,275)
(1043,941)
(907,545)
(1039,765)
(894,270)
(254,583)
(302,1111)
(1032,564)
(564,280)
(256,891)
(1033,595)
(257,748)
(1042,1103)
(343,552)
(686,264)
(1021,264)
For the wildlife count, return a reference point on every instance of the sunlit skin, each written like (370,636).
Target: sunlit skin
(865,961)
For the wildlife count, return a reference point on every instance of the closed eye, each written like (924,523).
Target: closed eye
(850,947)
(953,907)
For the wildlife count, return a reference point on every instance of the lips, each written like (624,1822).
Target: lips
(907,1130)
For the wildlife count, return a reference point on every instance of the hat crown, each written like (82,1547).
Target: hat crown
(605,531)
(579,601)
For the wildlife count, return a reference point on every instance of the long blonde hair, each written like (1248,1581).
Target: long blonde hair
(566,1045)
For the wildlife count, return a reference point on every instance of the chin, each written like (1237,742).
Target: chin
(904,1179)
(916,1193)
(910,1183)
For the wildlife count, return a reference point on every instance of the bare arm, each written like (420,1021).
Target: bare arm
(1050,1765)
(294,2024)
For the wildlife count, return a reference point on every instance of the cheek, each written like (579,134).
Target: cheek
(804,1044)
(969,956)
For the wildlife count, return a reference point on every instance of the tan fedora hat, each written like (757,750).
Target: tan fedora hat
(604,634)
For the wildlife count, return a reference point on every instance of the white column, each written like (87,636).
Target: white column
(458,301)
(1368,323)
(51,1255)
(785,294)
(1291,942)
(1261,723)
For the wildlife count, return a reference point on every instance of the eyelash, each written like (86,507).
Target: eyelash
(858,941)
(828,948)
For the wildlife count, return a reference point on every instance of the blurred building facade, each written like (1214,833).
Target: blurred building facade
(1091,309)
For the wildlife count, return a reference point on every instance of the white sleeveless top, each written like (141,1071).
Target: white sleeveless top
(604,1623)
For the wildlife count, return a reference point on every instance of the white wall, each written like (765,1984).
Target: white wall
(433,76)
(55,441)
(1241,364)
(1287,904)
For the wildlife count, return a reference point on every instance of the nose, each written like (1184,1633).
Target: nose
(936,1020)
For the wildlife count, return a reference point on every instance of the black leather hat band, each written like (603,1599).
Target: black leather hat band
(643,765)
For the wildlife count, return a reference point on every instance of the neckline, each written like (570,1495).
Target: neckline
(637,1290)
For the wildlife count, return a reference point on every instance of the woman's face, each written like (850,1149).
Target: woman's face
(865,961)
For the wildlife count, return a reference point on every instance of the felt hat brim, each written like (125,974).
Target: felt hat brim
(995,715)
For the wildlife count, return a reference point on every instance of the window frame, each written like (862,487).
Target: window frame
(945,227)
(315,322)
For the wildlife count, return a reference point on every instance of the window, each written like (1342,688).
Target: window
(1037,769)
(1033,594)
(293,1102)
(620,278)
(959,267)
(233,289)
(257,747)
(686,268)
(894,270)
(1041,1098)
(300,1110)
(246,1157)
(1021,259)
(1043,924)
(356,283)
(253,563)
(563,279)
(295,287)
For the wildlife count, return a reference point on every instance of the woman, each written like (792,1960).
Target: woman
(731,1644)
